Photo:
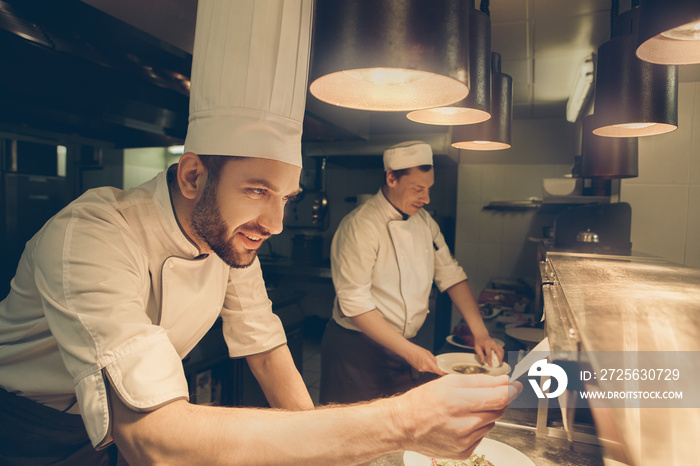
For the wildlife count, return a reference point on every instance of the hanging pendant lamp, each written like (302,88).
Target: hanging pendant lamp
(390,55)
(607,158)
(669,32)
(477,106)
(633,98)
(494,133)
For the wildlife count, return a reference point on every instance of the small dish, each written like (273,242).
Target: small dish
(452,340)
(468,363)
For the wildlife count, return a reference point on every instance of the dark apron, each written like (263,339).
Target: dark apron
(34,434)
(356,368)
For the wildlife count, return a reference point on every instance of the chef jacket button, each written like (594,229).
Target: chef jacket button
(171,265)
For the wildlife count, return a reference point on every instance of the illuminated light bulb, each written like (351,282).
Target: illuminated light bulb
(388,76)
(634,125)
(689,31)
(449,110)
(481,142)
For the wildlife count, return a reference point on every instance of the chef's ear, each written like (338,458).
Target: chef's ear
(390,177)
(191,175)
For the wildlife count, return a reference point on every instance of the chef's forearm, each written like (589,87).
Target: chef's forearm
(378,329)
(463,299)
(183,433)
(280,380)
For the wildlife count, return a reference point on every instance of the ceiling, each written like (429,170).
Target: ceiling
(543,44)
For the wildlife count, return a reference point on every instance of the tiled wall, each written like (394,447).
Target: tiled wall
(665,198)
(493,243)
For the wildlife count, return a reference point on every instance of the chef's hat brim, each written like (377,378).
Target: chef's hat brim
(408,154)
(245,133)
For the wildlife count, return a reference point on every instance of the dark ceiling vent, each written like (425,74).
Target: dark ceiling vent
(71,68)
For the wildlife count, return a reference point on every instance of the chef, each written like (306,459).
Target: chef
(385,256)
(119,286)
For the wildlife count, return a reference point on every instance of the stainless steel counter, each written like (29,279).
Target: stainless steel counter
(629,304)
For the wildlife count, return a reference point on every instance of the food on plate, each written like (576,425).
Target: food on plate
(469,369)
(474,460)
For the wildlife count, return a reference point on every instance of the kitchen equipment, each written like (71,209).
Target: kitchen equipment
(587,236)
(310,209)
(307,249)
(577,228)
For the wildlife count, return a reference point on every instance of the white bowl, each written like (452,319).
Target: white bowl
(560,186)
(449,361)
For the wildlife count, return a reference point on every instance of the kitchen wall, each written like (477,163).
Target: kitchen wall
(495,243)
(665,198)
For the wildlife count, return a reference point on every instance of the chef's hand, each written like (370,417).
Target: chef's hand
(449,416)
(422,360)
(485,347)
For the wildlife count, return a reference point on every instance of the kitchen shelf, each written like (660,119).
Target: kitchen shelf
(548,203)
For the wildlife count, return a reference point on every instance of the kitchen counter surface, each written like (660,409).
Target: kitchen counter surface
(625,305)
(542,451)
(634,303)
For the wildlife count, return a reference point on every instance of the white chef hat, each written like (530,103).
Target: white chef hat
(249,77)
(408,154)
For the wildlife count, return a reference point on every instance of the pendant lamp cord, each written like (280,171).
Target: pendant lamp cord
(484,7)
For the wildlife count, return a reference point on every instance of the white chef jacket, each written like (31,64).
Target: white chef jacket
(111,287)
(381,261)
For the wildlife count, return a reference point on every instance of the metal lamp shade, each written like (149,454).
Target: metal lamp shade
(477,106)
(669,32)
(390,55)
(607,158)
(494,133)
(633,98)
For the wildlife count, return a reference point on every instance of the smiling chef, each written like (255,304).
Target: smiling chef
(119,286)
(385,256)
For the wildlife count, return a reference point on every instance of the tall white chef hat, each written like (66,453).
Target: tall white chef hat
(408,154)
(249,77)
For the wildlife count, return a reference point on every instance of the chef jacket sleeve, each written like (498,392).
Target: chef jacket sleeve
(249,325)
(93,281)
(353,256)
(448,272)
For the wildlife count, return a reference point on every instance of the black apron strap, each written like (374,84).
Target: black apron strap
(35,434)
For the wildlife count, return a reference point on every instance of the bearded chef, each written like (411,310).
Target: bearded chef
(119,286)
(385,256)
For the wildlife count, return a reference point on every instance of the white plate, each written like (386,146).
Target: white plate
(451,340)
(496,452)
(447,361)
(526,334)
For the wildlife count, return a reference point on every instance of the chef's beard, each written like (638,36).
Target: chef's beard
(211,227)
